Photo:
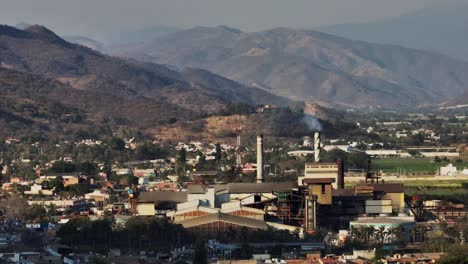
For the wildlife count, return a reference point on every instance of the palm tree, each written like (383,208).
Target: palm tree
(361,233)
(369,233)
(354,233)
(391,232)
(380,234)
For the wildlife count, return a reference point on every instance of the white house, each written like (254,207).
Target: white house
(448,170)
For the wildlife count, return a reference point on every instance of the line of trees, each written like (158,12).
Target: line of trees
(138,233)
(370,235)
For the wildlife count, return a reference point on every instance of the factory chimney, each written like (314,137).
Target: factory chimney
(317,146)
(341,182)
(259,158)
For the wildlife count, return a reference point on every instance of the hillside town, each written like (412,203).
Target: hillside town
(234,132)
(320,211)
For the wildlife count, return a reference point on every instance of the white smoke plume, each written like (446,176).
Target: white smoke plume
(312,122)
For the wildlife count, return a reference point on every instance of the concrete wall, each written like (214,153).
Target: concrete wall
(320,171)
(208,197)
(322,198)
(398,201)
(146,209)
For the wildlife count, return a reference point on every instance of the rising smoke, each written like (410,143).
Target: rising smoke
(312,122)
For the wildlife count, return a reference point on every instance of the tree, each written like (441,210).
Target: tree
(200,255)
(1,173)
(62,167)
(244,252)
(149,151)
(88,168)
(78,189)
(14,207)
(116,143)
(381,233)
(57,183)
(460,259)
(361,146)
(218,155)
(182,161)
(97,260)
(183,155)
(36,213)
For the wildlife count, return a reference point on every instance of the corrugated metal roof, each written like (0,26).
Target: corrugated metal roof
(267,187)
(382,220)
(389,187)
(195,189)
(318,180)
(220,187)
(227,218)
(197,208)
(162,196)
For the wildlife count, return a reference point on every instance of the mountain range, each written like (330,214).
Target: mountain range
(442,29)
(313,66)
(38,68)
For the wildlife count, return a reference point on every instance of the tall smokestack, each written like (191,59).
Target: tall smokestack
(317,146)
(340,174)
(259,158)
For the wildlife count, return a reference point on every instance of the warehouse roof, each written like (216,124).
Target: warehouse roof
(318,180)
(227,218)
(220,187)
(162,196)
(383,220)
(196,189)
(389,187)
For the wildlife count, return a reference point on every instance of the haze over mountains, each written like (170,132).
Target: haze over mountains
(443,29)
(313,66)
(38,65)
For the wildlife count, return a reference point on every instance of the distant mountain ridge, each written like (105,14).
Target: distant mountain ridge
(442,29)
(130,93)
(313,66)
(85,41)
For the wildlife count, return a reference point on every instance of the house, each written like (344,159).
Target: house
(75,205)
(68,178)
(37,189)
(123,171)
(143,172)
(100,198)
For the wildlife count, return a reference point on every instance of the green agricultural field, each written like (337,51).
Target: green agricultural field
(455,195)
(434,184)
(411,165)
(425,184)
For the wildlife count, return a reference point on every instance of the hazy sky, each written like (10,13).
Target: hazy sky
(97,17)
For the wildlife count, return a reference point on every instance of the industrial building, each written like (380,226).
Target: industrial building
(317,199)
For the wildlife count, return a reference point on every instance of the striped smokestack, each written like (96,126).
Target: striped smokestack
(317,146)
(259,159)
